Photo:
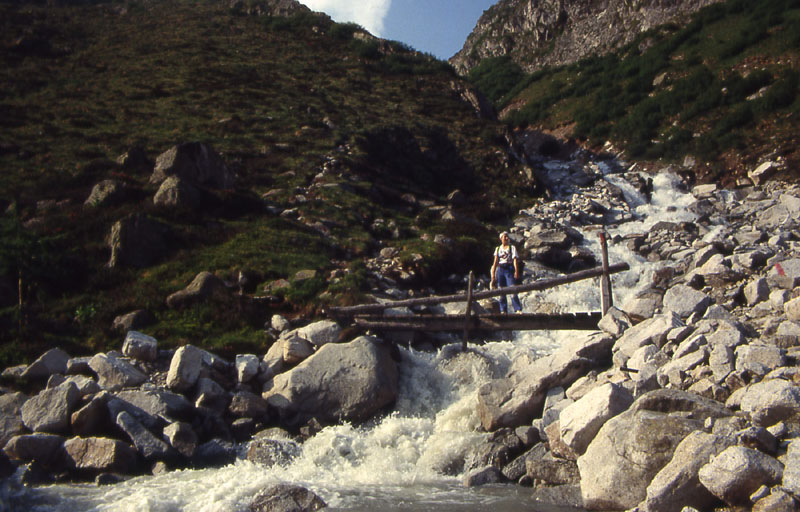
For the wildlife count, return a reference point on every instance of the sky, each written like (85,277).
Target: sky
(439,27)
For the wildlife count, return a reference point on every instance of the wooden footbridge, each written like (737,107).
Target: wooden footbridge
(371,316)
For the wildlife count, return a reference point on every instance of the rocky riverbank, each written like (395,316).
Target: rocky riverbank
(688,396)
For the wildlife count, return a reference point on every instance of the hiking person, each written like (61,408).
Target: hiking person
(506,271)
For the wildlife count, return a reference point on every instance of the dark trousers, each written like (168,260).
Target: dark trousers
(505,277)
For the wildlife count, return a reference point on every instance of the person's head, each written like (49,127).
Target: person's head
(504,238)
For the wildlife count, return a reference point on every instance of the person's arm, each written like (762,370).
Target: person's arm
(493,277)
(516,265)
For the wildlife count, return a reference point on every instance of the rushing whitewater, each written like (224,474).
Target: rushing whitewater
(396,462)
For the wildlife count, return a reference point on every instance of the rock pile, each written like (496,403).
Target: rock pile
(145,409)
(690,396)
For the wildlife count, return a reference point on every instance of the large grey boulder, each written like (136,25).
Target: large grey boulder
(204,287)
(684,300)
(581,421)
(247,367)
(286,497)
(46,449)
(340,382)
(114,373)
(738,472)
(153,406)
(140,346)
(651,331)
(631,448)
(106,192)
(51,362)
(184,369)
(137,241)
(195,162)
(770,401)
(320,333)
(147,444)
(11,416)
(177,193)
(784,274)
(100,455)
(628,451)
(181,437)
(678,484)
(247,404)
(517,399)
(295,348)
(50,410)
(93,417)
(759,359)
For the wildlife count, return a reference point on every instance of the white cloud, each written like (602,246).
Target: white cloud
(370,14)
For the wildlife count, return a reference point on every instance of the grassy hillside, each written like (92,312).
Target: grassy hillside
(297,106)
(723,88)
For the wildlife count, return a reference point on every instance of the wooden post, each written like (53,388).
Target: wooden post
(606,299)
(468,312)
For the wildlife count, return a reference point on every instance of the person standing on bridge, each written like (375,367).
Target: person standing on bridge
(506,271)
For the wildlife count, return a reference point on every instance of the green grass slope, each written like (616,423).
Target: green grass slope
(297,106)
(722,88)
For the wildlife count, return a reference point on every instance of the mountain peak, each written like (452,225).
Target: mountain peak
(537,33)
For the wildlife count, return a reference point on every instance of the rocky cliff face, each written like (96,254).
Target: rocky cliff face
(536,33)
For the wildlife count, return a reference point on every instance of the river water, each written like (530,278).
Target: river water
(395,463)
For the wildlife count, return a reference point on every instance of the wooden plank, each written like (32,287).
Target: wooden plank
(541,284)
(492,322)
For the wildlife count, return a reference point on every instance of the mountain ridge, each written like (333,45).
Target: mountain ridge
(537,33)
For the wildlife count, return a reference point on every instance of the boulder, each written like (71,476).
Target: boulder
(482,476)
(684,300)
(247,404)
(759,359)
(158,404)
(132,321)
(50,410)
(516,400)
(272,452)
(784,274)
(340,382)
(286,497)
(652,331)
(105,193)
(615,322)
(184,369)
(51,362)
(247,367)
(45,449)
(140,346)
(100,455)
(581,421)
(147,444)
(205,287)
(756,291)
(280,323)
(678,484)
(320,333)
(11,416)
(178,194)
(93,417)
(194,162)
(295,348)
(771,401)
(137,241)
(114,373)
(738,472)
(181,437)
(632,447)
